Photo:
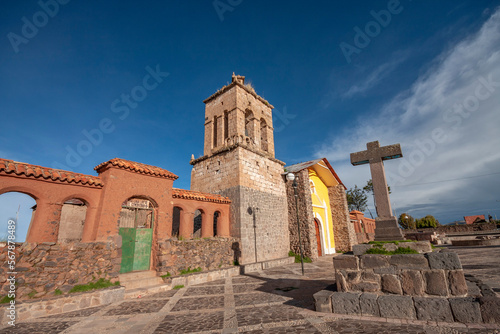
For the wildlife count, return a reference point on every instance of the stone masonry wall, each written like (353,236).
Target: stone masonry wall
(270,233)
(42,268)
(343,229)
(428,287)
(430,274)
(306,217)
(250,180)
(209,254)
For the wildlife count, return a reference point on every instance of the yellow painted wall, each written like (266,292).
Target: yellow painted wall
(321,198)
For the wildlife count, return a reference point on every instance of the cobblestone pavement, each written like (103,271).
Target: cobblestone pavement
(277,300)
(482,262)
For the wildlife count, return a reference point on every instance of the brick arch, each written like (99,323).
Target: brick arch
(23,190)
(146,197)
(203,222)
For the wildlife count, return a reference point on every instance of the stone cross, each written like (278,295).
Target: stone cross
(386,223)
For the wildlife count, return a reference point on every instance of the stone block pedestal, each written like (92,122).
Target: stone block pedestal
(386,229)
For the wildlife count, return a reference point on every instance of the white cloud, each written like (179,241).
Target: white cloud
(457,78)
(373,78)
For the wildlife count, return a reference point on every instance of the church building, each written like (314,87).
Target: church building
(131,220)
(322,207)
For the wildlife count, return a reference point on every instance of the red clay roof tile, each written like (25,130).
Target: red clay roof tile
(9,167)
(136,167)
(472,219)
(199,196)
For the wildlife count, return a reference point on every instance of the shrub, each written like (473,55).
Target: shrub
(6,299)
(177,287)
(190,271)
(297,257)
(399,250)
(100,284)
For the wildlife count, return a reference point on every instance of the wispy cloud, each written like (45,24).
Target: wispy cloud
(373,78)
(447,123)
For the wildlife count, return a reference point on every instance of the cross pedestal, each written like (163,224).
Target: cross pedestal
(386,225)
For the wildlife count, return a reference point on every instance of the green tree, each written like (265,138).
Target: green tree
(356,199)
(407,222)
(427,222)
(369,187)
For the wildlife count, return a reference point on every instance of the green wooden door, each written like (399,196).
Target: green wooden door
(142,252)
(128,246)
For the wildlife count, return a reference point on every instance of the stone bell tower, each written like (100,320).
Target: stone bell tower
(239,163)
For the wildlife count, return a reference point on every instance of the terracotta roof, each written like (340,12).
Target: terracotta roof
(11,167)
(472,219)
(135,167)
(199,196)
(303,165)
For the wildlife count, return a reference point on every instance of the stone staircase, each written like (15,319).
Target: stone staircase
(141,282)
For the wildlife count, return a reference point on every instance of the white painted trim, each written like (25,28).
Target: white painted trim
(321,233)
(327,225)
(324,250)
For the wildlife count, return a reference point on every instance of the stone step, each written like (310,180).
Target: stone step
(142,283)
(140,279)
(136,275)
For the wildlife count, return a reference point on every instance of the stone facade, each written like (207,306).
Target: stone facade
(239,163)
(306,217)
(42,268)
(345,236)
(210,254)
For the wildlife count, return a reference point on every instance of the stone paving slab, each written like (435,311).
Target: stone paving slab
(137,307)
(192,322)
(269,301)
(80,313)
(207,303)
(39,327)
(201,291)
(161,295)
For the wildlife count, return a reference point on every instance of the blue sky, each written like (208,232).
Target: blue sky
(399,85)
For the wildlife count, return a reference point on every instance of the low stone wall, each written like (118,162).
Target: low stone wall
(55,305)
(455,228)
(42,268)
(464,310)
(430,274)
(208,254)
(428,286)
